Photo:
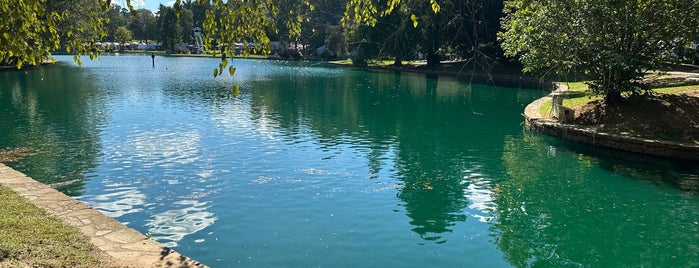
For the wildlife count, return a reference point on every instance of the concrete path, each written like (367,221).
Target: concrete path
(126,246)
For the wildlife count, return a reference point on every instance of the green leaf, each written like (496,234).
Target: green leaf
(435,6)
(215,72)
(231,70)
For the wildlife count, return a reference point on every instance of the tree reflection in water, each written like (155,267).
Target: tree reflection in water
(46,109)
(550,212)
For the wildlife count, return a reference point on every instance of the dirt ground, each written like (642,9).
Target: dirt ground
(662,116)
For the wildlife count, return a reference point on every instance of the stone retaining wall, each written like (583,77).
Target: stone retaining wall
(676,150)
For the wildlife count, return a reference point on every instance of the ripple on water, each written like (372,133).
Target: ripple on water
(480,195)
(171,226)
(162,148)
(117,201)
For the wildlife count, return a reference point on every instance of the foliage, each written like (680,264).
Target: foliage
(239,21)
(170,28)
(115,17)
(122,36)
(403,25)
(143,25)
(432,27)
(458,29)
(32,29)
(614,43)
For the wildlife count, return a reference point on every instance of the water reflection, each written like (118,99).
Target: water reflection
(681,174)
(548,214)
(393,170)
(481,195)
(410,130)
(50,110)
(171,226)
(165,149)
(117,201)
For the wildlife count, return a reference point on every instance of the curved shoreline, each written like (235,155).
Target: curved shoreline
(590,135)
(586,135)
(126,246)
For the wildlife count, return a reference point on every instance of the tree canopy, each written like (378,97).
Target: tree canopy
(405,28)
(613,42)
(32,29)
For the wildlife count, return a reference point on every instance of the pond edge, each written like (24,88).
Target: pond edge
(126,246)
(589,135)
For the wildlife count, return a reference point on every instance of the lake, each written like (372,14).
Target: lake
(309,165)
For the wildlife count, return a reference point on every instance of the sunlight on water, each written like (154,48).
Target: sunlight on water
(117,202)
(171,226)
(479,193)
(166,149)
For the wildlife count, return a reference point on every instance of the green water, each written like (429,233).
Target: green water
(314,166)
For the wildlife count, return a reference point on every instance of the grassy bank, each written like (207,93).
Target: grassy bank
(670,113)
(30,237)
(579,94)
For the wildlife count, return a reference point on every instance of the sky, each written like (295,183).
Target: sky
(149,4)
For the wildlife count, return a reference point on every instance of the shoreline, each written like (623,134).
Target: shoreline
(534,121)
(125,246)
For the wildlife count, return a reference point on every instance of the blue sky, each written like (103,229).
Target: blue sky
(149,4)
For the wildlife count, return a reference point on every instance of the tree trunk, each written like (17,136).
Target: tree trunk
(432,59)
(612,97)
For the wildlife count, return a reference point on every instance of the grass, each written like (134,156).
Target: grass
(586,96)
(30,237)
(675,90)
(581,94)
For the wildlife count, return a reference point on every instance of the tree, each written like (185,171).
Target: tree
(473,27)
(186,20)
(115,17)
(170,28)
(122,36)
(80,22)
(20,40)
(30,30)
(421,13)
(613,42)
(143,25)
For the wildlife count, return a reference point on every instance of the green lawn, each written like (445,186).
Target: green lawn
(30,237)
(578,90)
(585,96)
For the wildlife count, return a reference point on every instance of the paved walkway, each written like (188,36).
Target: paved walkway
(126,246)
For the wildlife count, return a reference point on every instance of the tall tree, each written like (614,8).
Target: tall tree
(170,28)
(144,25)
(122,36)
(613,42)
(186,20)
(115,17)
(422,13)
(473,27)
(198,9)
